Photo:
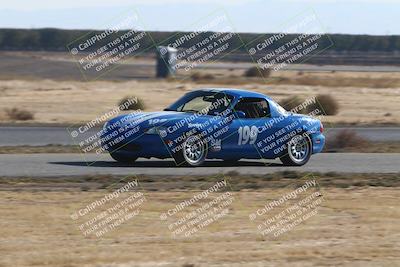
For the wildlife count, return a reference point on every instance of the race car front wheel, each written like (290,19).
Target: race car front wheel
(123,158)
(298,151)
(194,151)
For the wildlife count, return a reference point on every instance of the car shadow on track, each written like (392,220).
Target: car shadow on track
(164,164)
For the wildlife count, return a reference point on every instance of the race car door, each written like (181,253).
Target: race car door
(248,135)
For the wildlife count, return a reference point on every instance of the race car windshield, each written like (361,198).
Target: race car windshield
(210,103)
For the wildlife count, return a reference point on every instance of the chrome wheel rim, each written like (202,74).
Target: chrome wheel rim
(194,150)
(299,148)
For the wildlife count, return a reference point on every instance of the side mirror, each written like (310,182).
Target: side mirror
(240,114)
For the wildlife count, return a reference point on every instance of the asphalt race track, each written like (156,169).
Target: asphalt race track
(53,165)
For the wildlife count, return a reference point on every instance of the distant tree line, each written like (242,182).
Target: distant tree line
(49,39)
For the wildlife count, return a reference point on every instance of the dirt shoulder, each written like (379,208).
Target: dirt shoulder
(188,182)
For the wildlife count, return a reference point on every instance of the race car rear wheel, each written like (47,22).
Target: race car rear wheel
(298,151)
(123,158)
(194,151)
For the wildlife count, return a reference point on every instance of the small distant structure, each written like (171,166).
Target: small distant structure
(166,61)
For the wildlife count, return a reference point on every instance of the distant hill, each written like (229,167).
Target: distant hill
(341,48)
(57,39)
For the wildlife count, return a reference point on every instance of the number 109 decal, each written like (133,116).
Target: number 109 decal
(247,135)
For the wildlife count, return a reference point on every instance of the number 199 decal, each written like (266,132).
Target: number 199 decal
(247,135)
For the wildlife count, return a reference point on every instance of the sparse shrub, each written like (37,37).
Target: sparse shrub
(293,102)
(331,174)
(326,104)
(131,103)
(85,188)
(290,174)
(345,139)
(232,173)
(197,76)
(208,76)
(257,72)
(19,114)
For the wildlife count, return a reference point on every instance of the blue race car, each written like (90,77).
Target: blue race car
(227,124)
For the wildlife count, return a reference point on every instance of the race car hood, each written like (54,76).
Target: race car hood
(148,119)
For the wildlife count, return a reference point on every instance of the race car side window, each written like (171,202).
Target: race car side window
(253,107)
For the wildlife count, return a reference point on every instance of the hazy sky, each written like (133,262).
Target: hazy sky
(378,17)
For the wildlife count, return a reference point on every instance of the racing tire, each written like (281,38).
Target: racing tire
(193,153)
(299,150)
(122,158)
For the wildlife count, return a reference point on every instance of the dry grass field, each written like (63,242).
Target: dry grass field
(73,102)
(51,87)
(354,226)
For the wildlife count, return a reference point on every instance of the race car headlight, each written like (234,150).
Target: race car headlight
(157,130)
